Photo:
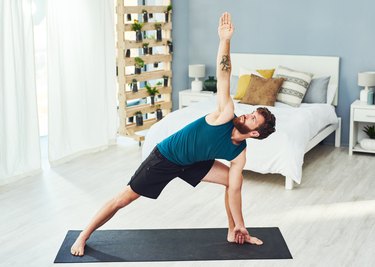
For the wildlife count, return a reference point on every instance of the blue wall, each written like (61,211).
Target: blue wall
(323,28)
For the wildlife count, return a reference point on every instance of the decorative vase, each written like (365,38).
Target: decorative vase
(150,50)
(138,36)
(145,50)
(159,114)
(145,17)
(170,46)
(210,84)
(165,79)
(152,100)
(158,35)
(134,87)
(368,144)
(139,119)
(166,16)
(137,71)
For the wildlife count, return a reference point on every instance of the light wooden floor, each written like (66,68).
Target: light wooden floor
(329,220)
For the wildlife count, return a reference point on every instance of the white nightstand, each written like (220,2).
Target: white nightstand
(360,113)
(188,97)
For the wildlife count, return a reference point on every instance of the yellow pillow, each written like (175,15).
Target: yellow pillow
(266,73)
(244,81)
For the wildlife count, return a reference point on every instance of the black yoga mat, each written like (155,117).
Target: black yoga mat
(173,245)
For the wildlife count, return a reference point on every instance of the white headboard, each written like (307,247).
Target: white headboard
(318,65)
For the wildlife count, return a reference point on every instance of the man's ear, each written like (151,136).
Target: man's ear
(253,134)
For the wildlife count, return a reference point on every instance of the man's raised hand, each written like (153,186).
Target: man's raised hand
(226,28)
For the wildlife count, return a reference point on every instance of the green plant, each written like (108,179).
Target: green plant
(136,26)
(152,91)
(145,45)
(159,83)
(169,8)
(157,26)
(144,11)
(138,113)
(158,106)
(138,62)
(370,131)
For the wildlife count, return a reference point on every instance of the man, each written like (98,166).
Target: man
(191,152)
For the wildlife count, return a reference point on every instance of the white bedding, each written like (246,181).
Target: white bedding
(282,152)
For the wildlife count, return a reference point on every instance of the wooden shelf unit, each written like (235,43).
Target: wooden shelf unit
(125,71)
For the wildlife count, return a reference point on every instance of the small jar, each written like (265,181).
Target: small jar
(370,98)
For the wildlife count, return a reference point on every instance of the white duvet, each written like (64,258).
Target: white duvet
(282,152)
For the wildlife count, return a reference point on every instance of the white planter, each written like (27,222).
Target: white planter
(368,144)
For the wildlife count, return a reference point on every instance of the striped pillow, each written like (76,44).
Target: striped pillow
(294,87)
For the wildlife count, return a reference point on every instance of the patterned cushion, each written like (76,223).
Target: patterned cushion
(262,91)
(245,77)
(294,87)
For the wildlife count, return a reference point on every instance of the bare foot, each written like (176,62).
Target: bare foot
(78,248)
(248,239)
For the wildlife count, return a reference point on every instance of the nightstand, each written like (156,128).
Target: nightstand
(360,113)
(188,97)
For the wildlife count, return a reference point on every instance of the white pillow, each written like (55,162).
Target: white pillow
(294,87)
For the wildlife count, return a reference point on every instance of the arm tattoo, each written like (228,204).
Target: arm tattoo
(225,62)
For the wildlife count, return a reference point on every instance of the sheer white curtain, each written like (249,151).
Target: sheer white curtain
(81,77)
(19,133)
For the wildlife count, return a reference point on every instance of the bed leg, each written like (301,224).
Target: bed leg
(288,183)
(338,134)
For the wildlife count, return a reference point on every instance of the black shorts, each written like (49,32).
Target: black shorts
(156,172)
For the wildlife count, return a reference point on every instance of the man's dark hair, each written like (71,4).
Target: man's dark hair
(268,126)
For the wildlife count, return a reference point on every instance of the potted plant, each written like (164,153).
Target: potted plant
(137,27)
(150,37)
(139,118)
(368,143)
(138,65)
(145,15)
(166,12)
(159,112)
(134,86)
(159,83)
(152,91)
(165,79)
(145,48)
(170,46)
(158,32)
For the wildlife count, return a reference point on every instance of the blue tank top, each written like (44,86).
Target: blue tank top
(199,141)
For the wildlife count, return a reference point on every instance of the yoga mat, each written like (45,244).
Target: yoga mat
(173,245)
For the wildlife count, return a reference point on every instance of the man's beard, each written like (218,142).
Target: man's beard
(240,126)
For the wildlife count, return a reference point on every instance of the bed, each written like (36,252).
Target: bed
(298,129)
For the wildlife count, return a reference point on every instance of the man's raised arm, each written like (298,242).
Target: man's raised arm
(223,64)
